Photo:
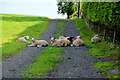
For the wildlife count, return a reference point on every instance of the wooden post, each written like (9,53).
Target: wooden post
(114,36)
(78,8)
(104,34)
(98,29)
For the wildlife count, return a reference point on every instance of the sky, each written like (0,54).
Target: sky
(47,8)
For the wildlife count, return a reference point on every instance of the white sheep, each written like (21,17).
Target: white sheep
(95,39)
(56,42)
(38,43)
(65,42)
(68,40)
(78,42)
(23,39)
(60,42)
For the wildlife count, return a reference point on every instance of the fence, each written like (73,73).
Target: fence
(109,34)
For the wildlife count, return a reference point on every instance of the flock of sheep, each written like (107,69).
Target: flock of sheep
(61,42)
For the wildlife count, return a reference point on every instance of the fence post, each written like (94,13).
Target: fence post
(78,8)
(114,36)
(104,34)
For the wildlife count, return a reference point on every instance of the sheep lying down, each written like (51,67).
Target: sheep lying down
(23,39)
(68,40)
(78,42)
(95,39)
(38,43)
(59,42)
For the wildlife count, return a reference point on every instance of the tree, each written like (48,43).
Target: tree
(65,7)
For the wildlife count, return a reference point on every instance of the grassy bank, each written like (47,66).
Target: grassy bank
(49,58)
(15,26)
(100,50)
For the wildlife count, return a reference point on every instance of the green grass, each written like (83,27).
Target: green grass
(15,26)
(105,67)
(49,58)
(104,49)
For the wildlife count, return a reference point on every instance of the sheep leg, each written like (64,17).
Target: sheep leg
(29,45)
(39,45)
(71,45)
(28,42)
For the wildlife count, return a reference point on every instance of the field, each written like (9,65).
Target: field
(15,26)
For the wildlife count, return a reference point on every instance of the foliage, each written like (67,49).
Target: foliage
(106,13)
(15,26)
(65,7)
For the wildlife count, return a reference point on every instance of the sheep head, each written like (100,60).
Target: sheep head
(33,39)
(52,39)
(78,37)
(60,37)
(26,37)
(71,39)
(96,35)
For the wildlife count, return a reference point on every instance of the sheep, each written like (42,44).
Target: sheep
(68,40)
(56,42)
(65,42)
(23,39)
(60,42)
(95,39)
(38,43)
(78,42)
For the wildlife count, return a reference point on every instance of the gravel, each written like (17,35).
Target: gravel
(76,62)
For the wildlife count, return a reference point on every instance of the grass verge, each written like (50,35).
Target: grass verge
(49,58)
(15,26)
(100,50)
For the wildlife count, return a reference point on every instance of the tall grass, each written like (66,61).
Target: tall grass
(15,26)
(102,49)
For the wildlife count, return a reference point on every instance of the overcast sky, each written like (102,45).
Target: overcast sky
(47,8)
